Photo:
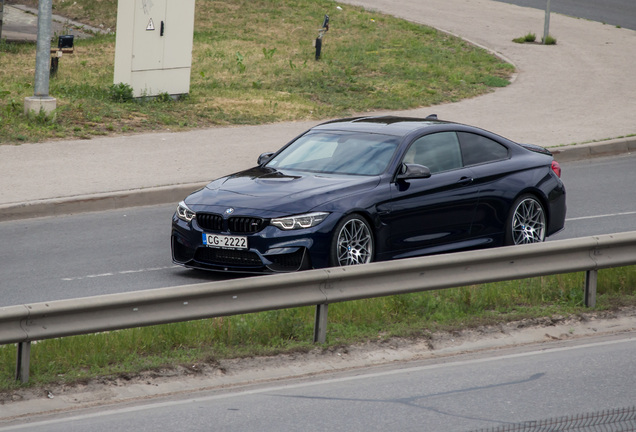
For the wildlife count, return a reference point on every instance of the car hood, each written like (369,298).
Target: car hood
(273,193)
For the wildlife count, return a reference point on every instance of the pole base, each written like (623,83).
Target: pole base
(37,104)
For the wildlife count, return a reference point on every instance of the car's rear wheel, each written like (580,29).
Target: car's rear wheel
(526,223)
(352,242)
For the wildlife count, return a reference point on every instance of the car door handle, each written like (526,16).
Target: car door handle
(465,181)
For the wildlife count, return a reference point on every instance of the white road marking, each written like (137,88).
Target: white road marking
(123,272)
(601,216)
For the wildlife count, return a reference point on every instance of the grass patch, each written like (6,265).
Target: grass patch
(528,38)
(75,359)
(253,63)
(549,40)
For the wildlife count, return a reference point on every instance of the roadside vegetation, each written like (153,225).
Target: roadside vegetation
(549,40)
(253,62)
(531,38)
(124,353)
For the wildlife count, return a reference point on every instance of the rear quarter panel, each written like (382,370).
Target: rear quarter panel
(500,183)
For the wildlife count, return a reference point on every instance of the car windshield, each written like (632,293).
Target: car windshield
(337,153)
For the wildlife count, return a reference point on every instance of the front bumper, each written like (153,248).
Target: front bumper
(270,250)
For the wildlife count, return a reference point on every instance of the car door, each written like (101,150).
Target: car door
(429,215)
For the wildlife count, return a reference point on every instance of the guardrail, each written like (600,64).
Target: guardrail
(23,324)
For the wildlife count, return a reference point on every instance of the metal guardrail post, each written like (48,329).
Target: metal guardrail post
(591,279)
(320,326)
(23,362)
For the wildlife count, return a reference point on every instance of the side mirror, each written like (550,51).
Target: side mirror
(264,158)
(413,171)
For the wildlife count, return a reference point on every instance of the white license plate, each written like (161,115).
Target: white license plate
(224,241)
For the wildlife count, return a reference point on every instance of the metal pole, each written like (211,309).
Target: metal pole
(546,27)
(591,279)
(1,16)
(41,102)
(320,325)
(318,47)
(321,33)
(43,54)
(23,362)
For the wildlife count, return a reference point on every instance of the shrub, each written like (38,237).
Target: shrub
(121,92)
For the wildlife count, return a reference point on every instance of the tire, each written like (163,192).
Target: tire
(352,242)
(526,222)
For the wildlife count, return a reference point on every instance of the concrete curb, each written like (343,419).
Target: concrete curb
(97,202)
(597,149)
(174,193)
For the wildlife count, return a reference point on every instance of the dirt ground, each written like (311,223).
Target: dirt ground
(235,372)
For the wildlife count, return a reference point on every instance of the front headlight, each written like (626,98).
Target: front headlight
(300,221)
(184,213)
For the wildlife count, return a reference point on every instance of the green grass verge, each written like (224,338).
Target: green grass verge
(122,353)
(253,62)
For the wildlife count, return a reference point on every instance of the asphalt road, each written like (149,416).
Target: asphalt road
(620,13)
(462,393)
(127,250)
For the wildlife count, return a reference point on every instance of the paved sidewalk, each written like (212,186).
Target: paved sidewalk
(577,91)
(20,25)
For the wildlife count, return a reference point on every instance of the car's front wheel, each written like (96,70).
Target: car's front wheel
(526,223)
(352,242)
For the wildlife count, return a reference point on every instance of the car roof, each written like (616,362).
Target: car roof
(389,125)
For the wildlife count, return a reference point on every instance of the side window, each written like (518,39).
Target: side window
(477,149)
(439,152)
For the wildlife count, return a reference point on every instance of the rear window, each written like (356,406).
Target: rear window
(477,149)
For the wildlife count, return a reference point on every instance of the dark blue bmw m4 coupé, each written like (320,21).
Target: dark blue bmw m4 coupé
(353,191)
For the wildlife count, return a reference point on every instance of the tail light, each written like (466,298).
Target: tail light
(556,168)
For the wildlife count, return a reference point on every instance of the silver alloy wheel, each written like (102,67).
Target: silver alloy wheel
(528,222)
(354,244)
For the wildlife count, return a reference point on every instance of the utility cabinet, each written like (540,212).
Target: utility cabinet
(153,46)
